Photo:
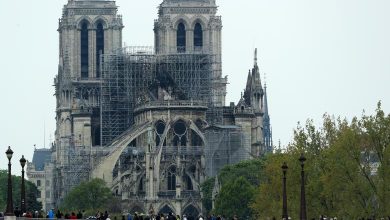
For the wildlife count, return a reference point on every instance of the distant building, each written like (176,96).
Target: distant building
(151,122)
(39,172)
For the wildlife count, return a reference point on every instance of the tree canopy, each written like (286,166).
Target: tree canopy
(347,173)
(238,183)
(90,195)
(31,192)
(347,167)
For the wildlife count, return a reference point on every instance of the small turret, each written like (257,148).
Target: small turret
(254,91)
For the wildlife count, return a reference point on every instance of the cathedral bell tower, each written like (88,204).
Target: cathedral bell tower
(87,29)
(192,26)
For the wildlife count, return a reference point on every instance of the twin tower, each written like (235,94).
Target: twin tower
(89,28)
(153,124)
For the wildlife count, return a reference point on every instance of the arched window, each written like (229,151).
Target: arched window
(99,46)
(159,128)
(181,38)
(84,50)
(179,132)
(172,178)
(198,36)
(188,183)
(141,185)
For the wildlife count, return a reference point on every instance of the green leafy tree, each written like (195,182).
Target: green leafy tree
(249,174)
(207,191)
(249,169)
(91,195)
(347,170)
(234,198)
(31,192)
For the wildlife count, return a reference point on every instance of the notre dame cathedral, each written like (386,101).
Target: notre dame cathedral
(152,122)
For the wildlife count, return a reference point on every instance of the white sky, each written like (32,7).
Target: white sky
(319,56)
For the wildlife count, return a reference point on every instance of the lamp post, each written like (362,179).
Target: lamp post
(284,214)
(23,190)
(10,208)
(302,214)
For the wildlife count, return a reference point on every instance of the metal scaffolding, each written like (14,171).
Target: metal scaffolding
(224,146)
(133,76)
(125,76)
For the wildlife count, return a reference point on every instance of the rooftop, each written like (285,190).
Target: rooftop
(40,157)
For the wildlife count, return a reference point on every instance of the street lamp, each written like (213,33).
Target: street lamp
(10,208)
(284,214)
(23,191)
(302,215)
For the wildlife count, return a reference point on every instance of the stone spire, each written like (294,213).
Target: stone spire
(268,145)
(255,62)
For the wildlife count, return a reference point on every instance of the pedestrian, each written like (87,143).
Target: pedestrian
(51,214)
(73,215)
(17,212)
(79,215)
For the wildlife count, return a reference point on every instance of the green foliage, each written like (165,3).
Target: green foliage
(340,178)
(250,170)
(3,189)
(237,182)
(207,191)
(234,198)
(31,192)
(91,195)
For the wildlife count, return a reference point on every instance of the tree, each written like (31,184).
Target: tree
(347,167)
(207,191)
(90,195)
(248,174)
(234,198)
(31,192)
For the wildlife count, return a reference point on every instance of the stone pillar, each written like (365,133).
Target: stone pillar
(190,40)
(77,62)
(108,40)
(92,52)
(170,40)
(206,39)
(178,176)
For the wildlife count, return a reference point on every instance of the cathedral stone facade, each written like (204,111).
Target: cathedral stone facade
(151,122)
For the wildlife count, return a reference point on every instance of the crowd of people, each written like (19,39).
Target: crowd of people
(172,216)
(51,214)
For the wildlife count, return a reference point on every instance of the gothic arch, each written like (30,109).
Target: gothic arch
(84,20)
(195,128)
(102,20)
(166,207)
(172,175)
(104,169)
(179,131)
(181,19)
(178,118)
(199,19)
(191,211)
(181,37)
